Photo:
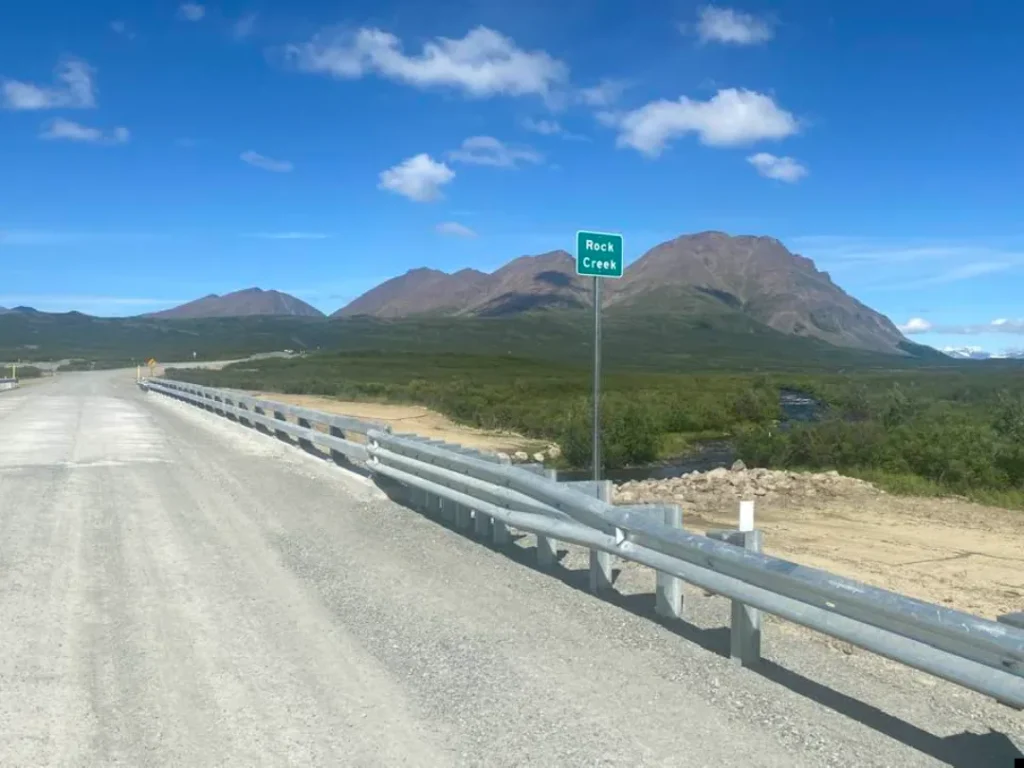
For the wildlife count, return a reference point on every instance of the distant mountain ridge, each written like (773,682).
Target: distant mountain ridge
(546,281)
(748,278)
(977,353)
(244,303)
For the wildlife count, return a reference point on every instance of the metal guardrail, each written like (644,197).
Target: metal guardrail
(8,384)
(483,492)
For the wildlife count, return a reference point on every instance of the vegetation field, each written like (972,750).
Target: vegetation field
(942,429)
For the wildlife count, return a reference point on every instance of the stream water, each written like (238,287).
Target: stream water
(796,407)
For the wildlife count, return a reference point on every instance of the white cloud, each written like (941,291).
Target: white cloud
(965,272)
(543,127)
(551,128)
(724,25)
(1002,325)
(481,64)
(75,89)
(121,28)
(266,163)
(419,178)
(781,168)
(244,27)
(730,117)
(67,130)
(915,325)
(604,94)
(487,150)
(191,11)
(454,229)
(290,235)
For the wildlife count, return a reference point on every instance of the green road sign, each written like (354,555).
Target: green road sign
(598,254)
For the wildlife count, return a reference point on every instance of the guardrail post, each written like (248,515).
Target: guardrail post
(745,629)
(668,598)
(745,634)
(259,425)
(303,442)
(443,508)
(600,562)
(547,548)
(279,415)
(481,524)
(500,534)
(242,419)
(337,456)
(460,513)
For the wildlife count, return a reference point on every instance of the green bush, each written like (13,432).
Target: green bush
(629,434)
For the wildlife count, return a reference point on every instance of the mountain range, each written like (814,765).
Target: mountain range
(752,279)
(977,353)
(710,281)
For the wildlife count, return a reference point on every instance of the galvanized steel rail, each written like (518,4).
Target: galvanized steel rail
(476,490)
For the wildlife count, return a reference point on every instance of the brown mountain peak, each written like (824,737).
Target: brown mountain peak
(244,303)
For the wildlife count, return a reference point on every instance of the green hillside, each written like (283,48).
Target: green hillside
(644,340)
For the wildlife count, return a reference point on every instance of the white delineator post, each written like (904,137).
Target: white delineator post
(746,516)
(745,634)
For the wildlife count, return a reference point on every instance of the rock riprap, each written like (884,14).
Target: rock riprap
(740,483)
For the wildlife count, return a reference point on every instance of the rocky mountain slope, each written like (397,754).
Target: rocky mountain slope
(244,303)
(547,281)
(418,292)
(709,273)
(760,278)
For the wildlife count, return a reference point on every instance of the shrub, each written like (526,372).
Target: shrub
(629,434)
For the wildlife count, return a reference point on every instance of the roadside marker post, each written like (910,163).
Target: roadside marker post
(598,255)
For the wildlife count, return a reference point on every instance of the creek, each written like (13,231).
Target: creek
(797,407)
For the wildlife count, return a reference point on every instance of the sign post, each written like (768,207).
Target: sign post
(598,255)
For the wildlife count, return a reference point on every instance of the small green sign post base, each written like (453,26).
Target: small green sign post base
(598,255)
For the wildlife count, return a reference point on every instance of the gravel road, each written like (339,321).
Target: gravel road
(177,590)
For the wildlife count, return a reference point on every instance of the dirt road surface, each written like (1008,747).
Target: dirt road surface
(178,590)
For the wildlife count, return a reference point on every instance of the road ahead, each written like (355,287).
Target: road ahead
(176,590)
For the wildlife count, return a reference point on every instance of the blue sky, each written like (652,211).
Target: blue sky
(156,152)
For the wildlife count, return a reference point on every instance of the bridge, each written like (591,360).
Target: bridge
(180,589)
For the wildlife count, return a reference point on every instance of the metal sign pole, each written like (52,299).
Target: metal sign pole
(598,255)
(597,379)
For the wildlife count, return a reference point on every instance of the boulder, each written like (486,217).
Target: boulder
(738,465)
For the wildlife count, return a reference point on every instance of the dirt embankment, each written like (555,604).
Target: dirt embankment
(947,551)
(416,419)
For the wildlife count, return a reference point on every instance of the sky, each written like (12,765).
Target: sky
(152,153)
